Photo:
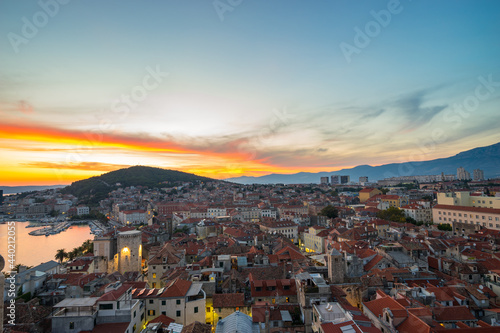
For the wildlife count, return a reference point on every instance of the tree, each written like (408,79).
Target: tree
(76,252)
(61,255)
(88,246)
(392,214)
(384,190)
(445,227)
(329,211)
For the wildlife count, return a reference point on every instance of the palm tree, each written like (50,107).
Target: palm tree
(88,246)
(61,255)
(76,252)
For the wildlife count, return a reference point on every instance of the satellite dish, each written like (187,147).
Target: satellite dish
(481,287)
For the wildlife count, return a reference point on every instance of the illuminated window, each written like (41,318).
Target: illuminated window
(154,275)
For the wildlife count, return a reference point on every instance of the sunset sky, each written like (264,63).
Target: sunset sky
(252,87)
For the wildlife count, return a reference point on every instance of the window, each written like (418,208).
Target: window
(195,309)
(163,302)
(178,302)
(178,313)
(154,267)
(151,312)
(106,306)
(142,316)
(287,299)
(164,313)
(71,325)
(208,309)
(151,301)
(154,275)
(135,313)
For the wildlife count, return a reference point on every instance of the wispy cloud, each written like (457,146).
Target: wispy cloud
(85,166)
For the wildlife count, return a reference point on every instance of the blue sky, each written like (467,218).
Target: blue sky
(231,73)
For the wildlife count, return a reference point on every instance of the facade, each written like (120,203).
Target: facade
(464,198)
(82,210)
(181,300)
(336,268)
(324,180)
(138,216)
(484,217)
(314,240)
(463,174)
(129,252)
(367,193)
(286,228)
(115,308)
(420,212)
(478,174)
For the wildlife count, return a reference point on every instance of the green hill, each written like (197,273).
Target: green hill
(94,189)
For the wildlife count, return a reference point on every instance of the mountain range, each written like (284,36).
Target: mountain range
(484,158)
(20,189)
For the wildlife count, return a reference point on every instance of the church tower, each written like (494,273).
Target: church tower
(336,268)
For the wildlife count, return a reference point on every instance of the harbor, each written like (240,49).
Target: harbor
(51,230)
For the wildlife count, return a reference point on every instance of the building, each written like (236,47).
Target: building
(363,179)
(138,216)
(484,217)
(420,211)
(114,311)
(478,174)
(287,228)
(324,180)
(464,198)
(1,197)
(463,174)
(336,268)
(181,300)
(237,322)
(314,240)
(335,180)
(367,193)
(82,210)
(345,179)
(129,252)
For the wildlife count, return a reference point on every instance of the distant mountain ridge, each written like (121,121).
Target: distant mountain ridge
(484,158)
(98,187)
(21,189)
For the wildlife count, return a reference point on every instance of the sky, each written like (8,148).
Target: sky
(227,88)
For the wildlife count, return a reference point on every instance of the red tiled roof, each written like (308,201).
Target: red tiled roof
(111,328)
(114,295)
(372,263)
(165,320)
(336,328)
(469,209)
(228,300)
(453,313)
(376,306)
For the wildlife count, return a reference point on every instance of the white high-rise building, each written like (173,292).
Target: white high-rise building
(463,174)
(478,174)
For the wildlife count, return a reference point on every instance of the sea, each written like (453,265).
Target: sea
(34,250)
